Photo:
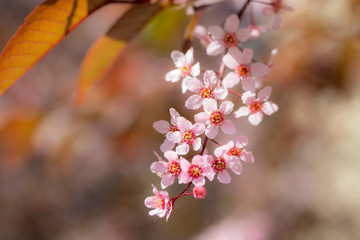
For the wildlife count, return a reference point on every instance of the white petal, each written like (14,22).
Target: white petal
(210,105)
(230,80)
(173,114)
(166,146)
(232,23)
(189,56)
(197,144)
(167,180)
(220,93)
(269,108)
(248,97)
(211,132)
(194,84)
(247,55)
(202,117)
(174,137)
(224,177)
(182,149)
(259,69)
(171,155)
(193,102)
(173,75)
(241,141)
(243,34)
(215,48)
(210,78)
(183,124)
(264,93)
(236,166)
(226,107)
(162,126)
(255,118)
(198,128)
(230,61)
(228,127)
(199,181)
(195,70)
(247,156)
(217,32)
(248,84)
(183,85)
(241,112)
(178,58)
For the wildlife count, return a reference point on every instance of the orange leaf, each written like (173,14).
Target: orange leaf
(102,55)
(42,30)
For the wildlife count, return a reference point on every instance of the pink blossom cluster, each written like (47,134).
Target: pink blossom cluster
(186,156)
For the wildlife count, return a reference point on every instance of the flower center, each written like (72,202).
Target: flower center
(256,106)
(186,70)
(195,171)
(219,165)
(206,92)
(243,70)
(188,136)
(173,128)
(230,40)
(174,168)
(277,6)
(217,118)
(234,151)
(160,203)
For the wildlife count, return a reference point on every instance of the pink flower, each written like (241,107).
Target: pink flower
(214,117)
(187,134)
(204,90)
(236,150)
(196,170)
(256,106)
(240,62)
(275,9)
(221,162)
(167,170)
(228,37)
(165,127)
(199,192)
(184,67)
(257,30)
(160,202)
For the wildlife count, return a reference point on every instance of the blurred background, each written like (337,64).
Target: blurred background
(76,173)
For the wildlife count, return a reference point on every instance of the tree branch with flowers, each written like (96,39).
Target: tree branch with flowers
(209,92)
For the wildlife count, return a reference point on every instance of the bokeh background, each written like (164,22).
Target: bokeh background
(76,173)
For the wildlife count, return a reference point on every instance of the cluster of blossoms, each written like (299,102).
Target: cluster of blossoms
(209,92)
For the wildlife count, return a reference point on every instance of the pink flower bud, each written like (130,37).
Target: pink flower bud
(199,192)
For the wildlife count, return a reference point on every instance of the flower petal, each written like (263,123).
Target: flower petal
(264,93)
(236,166)
(247,156)
(210,105)
(173,75)
(230,61)
(194,84)
(232,23)
(174,137)
(211,131)
(161,126)
(220,93)
(226,107)
(241,112)
(248,97)
(202,117)
(247,55)
(197,144)
(195,70)
(171,155)
(183,124)
(241,141)
(167,180)
(269,108)
(228,127)
(217,32)
(215,48)
(199,181)
(255,118)
(230,80)
(178,58)
(182,149)
(198,128)
(166,145)
(210,78)
(224,177)
(248,84)
(243,34)
(189,56)
(193,102)
(259,69)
